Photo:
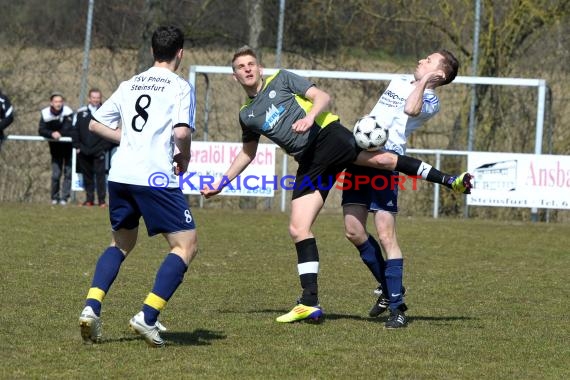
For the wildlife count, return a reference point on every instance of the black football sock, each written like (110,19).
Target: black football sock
(414,167)
(308,267)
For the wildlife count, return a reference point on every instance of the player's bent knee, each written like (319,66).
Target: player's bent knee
(124,251)
(351,234)
(388,240)
(188,255)
(124,247)
(183,244)
(356,237)
(299,233)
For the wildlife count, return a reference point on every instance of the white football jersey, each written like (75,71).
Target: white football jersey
(389,110)
(148,106)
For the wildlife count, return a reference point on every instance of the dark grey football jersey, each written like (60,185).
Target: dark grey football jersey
(278,105)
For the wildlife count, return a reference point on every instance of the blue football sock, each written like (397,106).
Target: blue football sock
(168,278)
(371,255)
(106,271)
(379,258)
(394,273)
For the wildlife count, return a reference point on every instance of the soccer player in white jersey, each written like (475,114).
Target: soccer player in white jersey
(156,111)
(405,105)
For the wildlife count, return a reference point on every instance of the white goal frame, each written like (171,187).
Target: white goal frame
(540,84)
(354,75)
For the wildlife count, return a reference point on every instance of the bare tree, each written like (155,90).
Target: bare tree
(153,13)
(255,21)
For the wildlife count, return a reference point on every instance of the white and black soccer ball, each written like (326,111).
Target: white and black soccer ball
(369,134)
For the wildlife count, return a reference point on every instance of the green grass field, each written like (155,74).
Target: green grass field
(487,300)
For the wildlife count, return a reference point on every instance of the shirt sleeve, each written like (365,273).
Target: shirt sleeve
(296,83)
(192,109)
(430,104)
(186,107)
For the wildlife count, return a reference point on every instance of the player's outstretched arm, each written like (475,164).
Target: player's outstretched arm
(238,165)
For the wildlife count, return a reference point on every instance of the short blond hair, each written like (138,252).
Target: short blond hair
(244,50)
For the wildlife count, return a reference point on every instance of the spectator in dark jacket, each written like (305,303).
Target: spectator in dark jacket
(6,115)
(91,151)
(55,123)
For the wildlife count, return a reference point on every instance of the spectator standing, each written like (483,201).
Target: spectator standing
(91,151)
(6,115)
(55,123)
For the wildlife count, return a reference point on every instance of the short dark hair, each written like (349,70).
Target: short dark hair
(449,64)
(166,41)
(244,50)
(54,94)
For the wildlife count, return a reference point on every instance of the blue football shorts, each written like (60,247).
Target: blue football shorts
(381,193)
(164,210)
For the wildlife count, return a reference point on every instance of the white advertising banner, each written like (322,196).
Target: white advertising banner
(210,160)
(519,180)
(76,178)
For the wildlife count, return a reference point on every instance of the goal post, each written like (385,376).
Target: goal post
(539,84)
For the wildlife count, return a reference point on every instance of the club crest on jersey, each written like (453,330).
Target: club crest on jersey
(272,116)
(272,94)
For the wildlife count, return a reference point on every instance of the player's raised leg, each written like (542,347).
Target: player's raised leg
(414,167)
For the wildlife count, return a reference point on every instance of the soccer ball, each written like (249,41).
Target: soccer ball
(369,134)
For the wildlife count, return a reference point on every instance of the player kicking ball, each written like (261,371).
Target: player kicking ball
(292,112)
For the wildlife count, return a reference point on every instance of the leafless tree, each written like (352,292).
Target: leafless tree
(255,21)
